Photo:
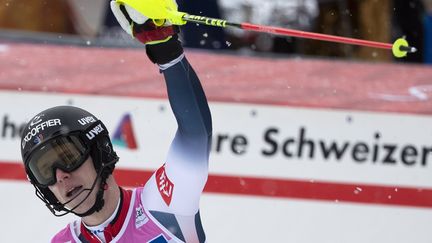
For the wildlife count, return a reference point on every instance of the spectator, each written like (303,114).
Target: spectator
(201,36)
(428,31)
(353,19)
(44,16)
(408,18)
(297,14)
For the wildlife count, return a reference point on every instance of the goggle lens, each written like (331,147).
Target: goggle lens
(66,153)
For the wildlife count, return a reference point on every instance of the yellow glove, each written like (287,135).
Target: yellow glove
(156,9)
(146,30)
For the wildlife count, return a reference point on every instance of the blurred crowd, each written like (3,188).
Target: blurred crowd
(377,20)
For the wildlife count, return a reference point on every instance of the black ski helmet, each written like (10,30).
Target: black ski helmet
(66,122)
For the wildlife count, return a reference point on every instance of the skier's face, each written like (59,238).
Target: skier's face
(69,185)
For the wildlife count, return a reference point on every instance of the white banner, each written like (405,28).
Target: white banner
(253,140)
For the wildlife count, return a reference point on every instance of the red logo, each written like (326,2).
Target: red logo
(164,185)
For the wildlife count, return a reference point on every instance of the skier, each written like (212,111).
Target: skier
(69,158)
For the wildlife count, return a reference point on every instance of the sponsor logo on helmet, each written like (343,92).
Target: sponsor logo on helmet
(86,120)
(38,139)
(95,131)
(36,120)
(38,128)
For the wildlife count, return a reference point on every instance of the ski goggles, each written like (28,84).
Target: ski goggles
(67,153)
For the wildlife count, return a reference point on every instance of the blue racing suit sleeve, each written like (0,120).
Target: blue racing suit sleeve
(189,105)
(179,184)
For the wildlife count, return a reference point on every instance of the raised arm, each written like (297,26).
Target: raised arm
(187,160)
(189,104)
(175,188)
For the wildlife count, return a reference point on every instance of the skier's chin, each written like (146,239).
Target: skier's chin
(82,203)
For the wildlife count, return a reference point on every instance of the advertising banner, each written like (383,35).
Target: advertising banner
(347,162)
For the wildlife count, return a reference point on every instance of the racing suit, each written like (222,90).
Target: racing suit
(166,209)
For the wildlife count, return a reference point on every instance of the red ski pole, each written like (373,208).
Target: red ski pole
(400,47)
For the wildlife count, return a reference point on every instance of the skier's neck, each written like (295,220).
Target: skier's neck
(111,200)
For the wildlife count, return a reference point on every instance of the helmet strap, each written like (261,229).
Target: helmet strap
(99,202)
(100,155)
(101,152)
